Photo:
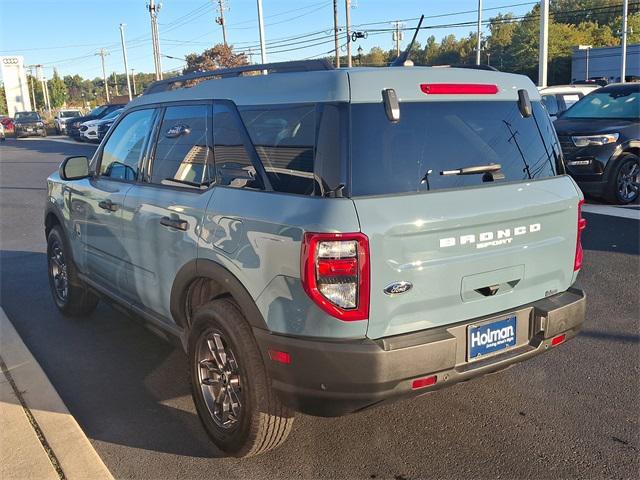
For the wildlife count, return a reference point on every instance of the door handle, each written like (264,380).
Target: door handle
(108,205)
(176,223)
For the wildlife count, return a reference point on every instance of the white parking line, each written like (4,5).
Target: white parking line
(622,212)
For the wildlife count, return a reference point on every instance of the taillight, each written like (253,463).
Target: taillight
(582,224)
(459,88)
(335,273)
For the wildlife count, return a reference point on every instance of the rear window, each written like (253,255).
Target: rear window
(614,103)
(409,156)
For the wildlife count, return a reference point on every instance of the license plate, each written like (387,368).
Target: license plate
(491,337)
(29,129)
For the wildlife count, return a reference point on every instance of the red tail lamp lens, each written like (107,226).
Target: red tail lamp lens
(424,382)
(558,340)
(347,267)
(280,357)
(458,89)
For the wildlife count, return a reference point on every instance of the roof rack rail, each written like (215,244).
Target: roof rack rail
(278,67)
(468,65)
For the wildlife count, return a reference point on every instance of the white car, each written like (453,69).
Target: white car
(63,117)
(559,98)
(2,137)
(89,130)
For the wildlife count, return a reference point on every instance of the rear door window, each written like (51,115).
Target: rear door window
(433,137)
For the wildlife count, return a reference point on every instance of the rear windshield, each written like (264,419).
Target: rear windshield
(409,156)
(27,116)
(69,113)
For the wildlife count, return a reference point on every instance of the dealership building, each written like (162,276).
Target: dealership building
(587,62)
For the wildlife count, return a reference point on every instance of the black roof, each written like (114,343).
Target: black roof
(624,88)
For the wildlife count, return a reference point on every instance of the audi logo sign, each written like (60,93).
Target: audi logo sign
(15,83)
(10,61)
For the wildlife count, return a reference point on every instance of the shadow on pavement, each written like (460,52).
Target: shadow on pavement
(606,233)
(134,383)
(50,147)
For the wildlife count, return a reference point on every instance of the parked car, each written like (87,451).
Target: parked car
(318,245)
(7,123)
(2,136)
(599,81)
(63,117)
(73,127)
(26,124)
(89,130)
(600,138)
(559,98)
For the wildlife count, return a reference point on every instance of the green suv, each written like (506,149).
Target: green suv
(323,240)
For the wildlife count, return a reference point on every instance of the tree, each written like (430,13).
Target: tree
(376,57)
(3,101)
(220,56)
(57,90)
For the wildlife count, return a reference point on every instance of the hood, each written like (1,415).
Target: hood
(86,118)
(590,126)
(91,123)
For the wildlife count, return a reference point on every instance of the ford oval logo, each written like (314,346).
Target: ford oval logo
(397,288)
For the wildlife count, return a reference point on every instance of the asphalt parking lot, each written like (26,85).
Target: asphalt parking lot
(572,413)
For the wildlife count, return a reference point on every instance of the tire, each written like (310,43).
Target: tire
(261,422)
(70,294)
(624,184)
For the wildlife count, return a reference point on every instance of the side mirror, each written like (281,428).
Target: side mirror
(74,168)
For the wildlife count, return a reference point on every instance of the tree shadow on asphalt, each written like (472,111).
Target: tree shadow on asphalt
(50,147)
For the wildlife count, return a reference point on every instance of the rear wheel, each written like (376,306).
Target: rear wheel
(231,389)
(624,184)
(70,294)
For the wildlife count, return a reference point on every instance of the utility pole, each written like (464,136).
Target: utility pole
(397,36)
(347,5)
(263,47)
(103,53)
(544,43)
(133,79)
(33,93)
(335,32)
(623,63)
(115,84)
(153,14)
(126,64)
(45,88)
(479,33)
(586,62)
(220,20)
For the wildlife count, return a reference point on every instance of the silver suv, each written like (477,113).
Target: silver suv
(325,240)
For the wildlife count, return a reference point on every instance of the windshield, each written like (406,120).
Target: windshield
(27,116)
(615,103)
(69,113)
(112,115)
(433,137)
(98,110)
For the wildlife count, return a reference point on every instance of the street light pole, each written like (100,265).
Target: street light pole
(543,51)
(263,47)
(126,64)
(479,33)
(623,64)
(347,5)
(133,79)
(586,58)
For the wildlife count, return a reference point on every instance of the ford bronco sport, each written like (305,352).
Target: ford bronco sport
(323,240)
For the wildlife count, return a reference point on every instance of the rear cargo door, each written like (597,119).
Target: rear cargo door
(446,248)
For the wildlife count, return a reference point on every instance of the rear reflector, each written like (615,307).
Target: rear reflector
(582,224)
(458,88)
(280,357)
(558,340)
(424,382)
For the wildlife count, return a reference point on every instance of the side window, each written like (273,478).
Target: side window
(123,151)
(284,139)
(551,104)
(233,163)
(183,154)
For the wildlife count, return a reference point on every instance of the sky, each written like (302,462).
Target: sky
(65,34)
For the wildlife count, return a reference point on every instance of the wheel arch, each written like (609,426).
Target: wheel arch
(202,280)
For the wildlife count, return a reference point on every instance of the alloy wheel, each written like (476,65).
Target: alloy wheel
(59,272)
(629,181)
(219,378)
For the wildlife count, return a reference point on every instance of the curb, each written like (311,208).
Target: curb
(68,449)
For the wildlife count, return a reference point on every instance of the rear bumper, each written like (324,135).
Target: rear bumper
(328,378)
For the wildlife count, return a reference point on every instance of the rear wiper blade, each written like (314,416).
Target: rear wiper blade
(474,170)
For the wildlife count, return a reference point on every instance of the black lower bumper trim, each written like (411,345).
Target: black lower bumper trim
(333,378)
